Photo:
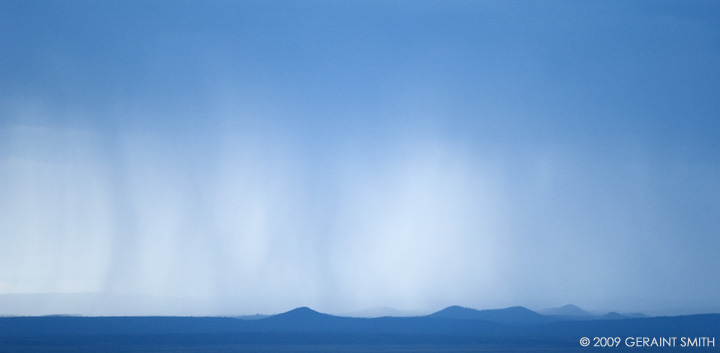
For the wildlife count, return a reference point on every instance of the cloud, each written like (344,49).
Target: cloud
(263,161)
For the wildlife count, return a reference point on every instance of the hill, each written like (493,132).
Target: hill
(516,315)
(568,310)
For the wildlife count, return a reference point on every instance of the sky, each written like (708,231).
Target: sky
(242,157)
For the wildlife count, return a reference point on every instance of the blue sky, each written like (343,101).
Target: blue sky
(258,156)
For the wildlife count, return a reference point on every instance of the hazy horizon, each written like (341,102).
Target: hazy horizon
(99,304)
(257,156)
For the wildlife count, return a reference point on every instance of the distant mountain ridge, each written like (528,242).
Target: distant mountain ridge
(381,311)
(516,315)
(514,326)
(573,312)
(568,310)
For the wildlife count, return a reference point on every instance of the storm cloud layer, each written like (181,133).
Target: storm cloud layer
(235,158)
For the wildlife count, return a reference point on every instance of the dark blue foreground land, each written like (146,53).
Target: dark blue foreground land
(454,329)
